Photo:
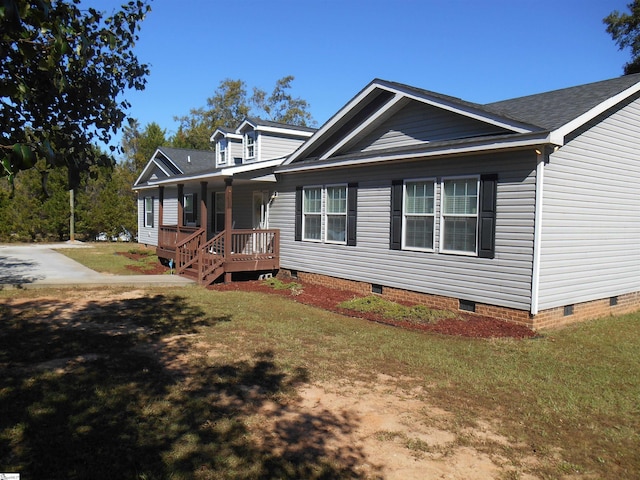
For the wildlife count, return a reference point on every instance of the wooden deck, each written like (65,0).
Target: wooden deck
(228,252)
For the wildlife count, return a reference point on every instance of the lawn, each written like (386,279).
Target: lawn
(196,383)
(116,258)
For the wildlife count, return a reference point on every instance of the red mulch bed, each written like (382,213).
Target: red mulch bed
(155,269)
(328,299)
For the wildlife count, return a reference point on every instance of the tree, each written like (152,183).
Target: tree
(625,31)
(281,107)
(62,73)
(138,146)
(226,108)
(230,104)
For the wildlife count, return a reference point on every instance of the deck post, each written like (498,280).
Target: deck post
(203,209)
(180,206)
(228,224)
(160,207)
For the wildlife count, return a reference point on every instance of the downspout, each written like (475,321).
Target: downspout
(542,159)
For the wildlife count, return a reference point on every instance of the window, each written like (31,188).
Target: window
(336,214)
(459,220)
(418,215)
(250,149)
(222,152)
(218,212)
(327,214)
(466,208)
(190,209)
(312,214)
(148,212)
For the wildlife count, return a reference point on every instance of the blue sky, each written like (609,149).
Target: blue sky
(479,50)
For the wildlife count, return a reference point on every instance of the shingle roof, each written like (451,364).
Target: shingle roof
(190,161)
(551,110)
(269,123)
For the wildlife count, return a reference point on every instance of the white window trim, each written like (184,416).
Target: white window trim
(442,215)
(326,214)
(250,135)
(304,214)
(193,209)
(434,214)
(148,224)
(221,153)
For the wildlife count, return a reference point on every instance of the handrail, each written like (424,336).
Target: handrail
(187,251)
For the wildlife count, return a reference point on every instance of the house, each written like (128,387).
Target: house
(525,209)
(186,198)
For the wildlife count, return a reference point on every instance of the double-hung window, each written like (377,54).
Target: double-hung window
(418,215)
(219,211)
(312,213)
(250,145)
(222,152)
(190,209)
(336,214)
(148,212)
(459,219)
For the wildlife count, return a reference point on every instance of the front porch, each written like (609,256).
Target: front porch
(206,256)
(224,254)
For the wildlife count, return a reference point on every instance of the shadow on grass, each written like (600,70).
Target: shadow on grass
(105,391)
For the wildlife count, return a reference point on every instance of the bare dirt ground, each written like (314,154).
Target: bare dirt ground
(385,429)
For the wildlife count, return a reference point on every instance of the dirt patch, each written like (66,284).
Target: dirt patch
(329,298)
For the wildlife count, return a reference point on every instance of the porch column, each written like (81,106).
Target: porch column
(161,207)
(203,208)
(180,206)
(228,224)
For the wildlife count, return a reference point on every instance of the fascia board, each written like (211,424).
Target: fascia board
(372,119)
(530,141)
(283,131)
(577,122)
(223,173)
(151,162)
(329,124)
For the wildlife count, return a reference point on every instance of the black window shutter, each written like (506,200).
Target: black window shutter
(213,211)
(298,228)
(196,217)
(487,219)
(395,242)
(352,213)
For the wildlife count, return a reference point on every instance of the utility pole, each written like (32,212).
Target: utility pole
(72,233)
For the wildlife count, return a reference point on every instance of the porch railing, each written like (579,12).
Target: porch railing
(170,235)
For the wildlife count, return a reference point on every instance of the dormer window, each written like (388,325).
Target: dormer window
(222,152)
(250,146)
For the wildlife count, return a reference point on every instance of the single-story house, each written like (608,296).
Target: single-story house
(525,209)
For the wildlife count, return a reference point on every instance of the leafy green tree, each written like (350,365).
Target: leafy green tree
(227,107)
(624,28)
(62,73)
(138,146)
(281,107)
(107,203)
(231,104)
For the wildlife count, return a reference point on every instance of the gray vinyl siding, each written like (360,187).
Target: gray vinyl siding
(148,235)
(170,206)
(417,124)
(504,280)
(235,149)
(271,147)
(590,241)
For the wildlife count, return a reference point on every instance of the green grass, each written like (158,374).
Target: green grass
(107,258)
(396,311)
(569,397)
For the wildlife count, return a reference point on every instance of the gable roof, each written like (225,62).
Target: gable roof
(544,118)
(175,162)
(552,110)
